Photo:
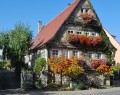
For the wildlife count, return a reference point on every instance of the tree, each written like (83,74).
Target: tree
(71,67)
(4,42)
(40,63)
(16,45)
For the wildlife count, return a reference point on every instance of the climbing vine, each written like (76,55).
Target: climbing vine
(109,48)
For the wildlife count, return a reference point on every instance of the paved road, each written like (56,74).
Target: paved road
(111,91)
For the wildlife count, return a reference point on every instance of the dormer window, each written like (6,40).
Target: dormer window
(70,32)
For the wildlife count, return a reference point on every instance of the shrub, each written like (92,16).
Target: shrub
(2,63)
(40,63)
(39,84)
(7,64)
(81,86)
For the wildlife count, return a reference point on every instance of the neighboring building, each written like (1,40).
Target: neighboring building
(79,18)
(115,44)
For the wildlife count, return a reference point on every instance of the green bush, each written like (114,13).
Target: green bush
(2,63)
(7,64)
(81,86)
(40,63)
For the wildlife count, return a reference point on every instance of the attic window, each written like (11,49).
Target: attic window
(70,32)
(84,10)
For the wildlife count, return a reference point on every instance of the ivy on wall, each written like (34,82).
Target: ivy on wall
(109,48)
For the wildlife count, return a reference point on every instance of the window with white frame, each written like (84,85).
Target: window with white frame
(55,53)
(65,53)
(99,55)
(70,32)
(75,53)
(79,32)
(90,55)
(94,34)
(87,33)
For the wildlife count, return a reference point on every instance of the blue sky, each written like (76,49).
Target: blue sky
(32,11)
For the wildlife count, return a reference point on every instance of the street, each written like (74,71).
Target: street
(110,91)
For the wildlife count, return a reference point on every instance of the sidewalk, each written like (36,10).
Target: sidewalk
(39,92)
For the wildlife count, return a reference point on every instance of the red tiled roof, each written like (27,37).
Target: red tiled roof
(48,31)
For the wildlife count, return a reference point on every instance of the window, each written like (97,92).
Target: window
(81,10)
(75,53)
(87,33)
(93,34)
(65,53)
(79,33)
(99,55)
(70,32)
(90,55)
(55,53)
(84,10)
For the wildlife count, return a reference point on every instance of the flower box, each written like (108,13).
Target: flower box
(84,40)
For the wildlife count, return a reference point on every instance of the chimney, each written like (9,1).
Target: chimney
(39,26)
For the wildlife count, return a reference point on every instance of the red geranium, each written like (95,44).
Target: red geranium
(82,39)
(89,40)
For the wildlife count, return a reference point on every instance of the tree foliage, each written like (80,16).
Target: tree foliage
(40,63)
(16,44)
(71,67)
